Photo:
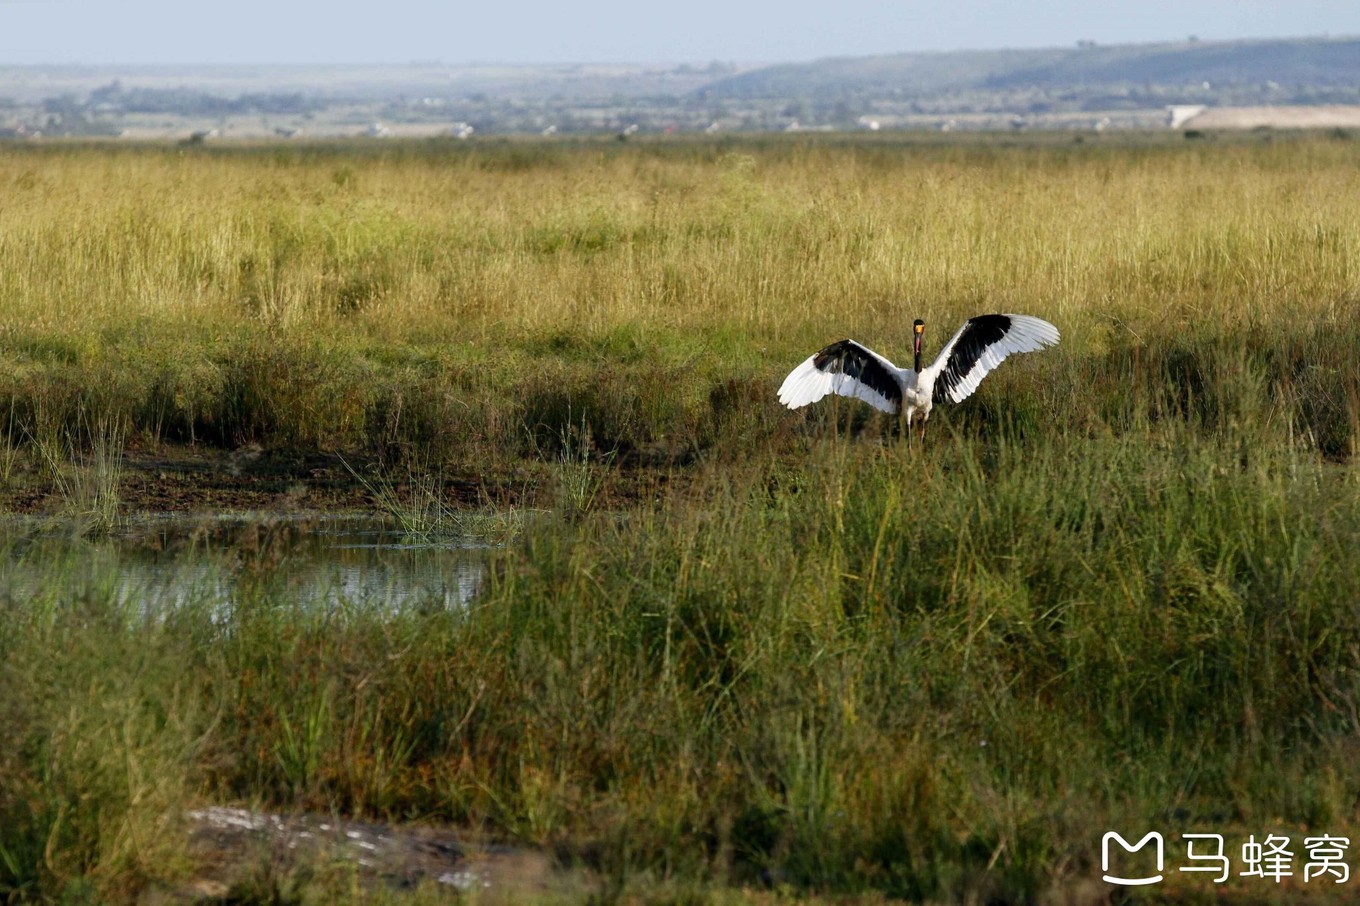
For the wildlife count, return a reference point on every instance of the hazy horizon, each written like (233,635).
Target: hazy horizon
(401,32)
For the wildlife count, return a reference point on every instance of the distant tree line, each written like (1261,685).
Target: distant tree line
(113,97)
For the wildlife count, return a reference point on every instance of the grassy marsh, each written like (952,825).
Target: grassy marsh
(1115,591)
(477,302)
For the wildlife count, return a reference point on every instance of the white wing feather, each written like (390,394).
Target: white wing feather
(1026,334)
(806,384)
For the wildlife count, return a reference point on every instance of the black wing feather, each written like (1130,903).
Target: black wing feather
(977,335)
(849,358)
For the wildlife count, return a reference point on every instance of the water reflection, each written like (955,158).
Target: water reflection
(158,564)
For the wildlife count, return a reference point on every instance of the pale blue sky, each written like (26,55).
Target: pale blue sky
(398,31)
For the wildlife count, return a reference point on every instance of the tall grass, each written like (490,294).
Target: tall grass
(479,301)
(1113,591)
(939,675)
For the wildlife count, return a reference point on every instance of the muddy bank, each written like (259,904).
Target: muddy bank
(250,479)
(187,479)
(244,855)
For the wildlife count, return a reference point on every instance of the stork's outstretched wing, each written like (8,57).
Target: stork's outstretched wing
(980,345)
(846,368)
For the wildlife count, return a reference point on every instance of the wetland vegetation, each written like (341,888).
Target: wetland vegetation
(721,650)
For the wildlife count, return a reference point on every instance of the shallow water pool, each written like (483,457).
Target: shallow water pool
(157,564)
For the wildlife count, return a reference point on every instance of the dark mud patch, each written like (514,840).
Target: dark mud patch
(168,479)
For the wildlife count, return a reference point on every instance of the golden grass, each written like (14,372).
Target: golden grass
(780,240)
(468,298)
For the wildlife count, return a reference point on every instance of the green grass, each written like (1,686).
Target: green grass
(936,675)
(1114,591)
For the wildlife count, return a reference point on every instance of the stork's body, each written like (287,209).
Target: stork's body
(848,368)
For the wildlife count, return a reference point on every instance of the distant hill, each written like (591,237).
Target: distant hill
(1260,68)
(1086,88)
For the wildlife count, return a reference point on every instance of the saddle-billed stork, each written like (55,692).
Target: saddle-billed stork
(848,368)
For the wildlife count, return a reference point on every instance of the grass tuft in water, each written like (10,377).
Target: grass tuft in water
(581,471)
(88,484)
(412,496)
